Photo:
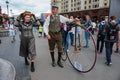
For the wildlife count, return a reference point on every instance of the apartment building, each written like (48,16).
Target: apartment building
(94,8)
(80,5)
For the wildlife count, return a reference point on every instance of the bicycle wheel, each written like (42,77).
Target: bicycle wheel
(64,56)
(84,59)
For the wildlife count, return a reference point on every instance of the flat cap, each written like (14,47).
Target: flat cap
(55,6)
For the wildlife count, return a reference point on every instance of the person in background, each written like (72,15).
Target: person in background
(94,27)
(117,43)
(79,31)
(12,30)
(71,33)
(112,30)
(88,26)
(4,23)
(64,34)
(40,31)
(0,23)
(101,35)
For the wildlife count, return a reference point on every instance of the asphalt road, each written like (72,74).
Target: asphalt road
(44,70)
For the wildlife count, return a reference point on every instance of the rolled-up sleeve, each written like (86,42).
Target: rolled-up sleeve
(46,25)
(64,19)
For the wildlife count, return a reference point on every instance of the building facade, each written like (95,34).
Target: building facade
(94,8)
(80,5)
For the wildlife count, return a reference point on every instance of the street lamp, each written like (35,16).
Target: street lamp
(7,7)
(109,10)
(11,12)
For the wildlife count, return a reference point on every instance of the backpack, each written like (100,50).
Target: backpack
(101,32)
(112,32)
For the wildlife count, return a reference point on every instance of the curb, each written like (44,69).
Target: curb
(7,70)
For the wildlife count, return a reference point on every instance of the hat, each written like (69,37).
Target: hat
(55,6)
(27,13)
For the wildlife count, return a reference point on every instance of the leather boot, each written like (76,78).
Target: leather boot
(59,60)
(32,67)
(53,59)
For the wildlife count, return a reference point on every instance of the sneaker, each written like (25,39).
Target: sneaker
(116,51)
(86,46)
(68,50)
(108,64)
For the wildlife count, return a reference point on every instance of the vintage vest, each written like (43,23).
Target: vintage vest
(54,24)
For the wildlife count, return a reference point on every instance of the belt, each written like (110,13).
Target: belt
(55,32)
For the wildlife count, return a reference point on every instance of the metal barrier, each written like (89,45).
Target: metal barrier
(4,33)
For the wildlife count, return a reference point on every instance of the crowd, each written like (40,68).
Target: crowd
(57,31)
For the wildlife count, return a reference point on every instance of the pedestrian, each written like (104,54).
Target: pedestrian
(27,44)
(101,35)
(94,27)
(1,23)
(12,30)
(117,43)
(64,34)
(79,32)
(71,33)
(112,30)
(53,33)
(88,26)
(40,31)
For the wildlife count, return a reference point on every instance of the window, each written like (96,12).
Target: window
(74,4)
(85,2)
(66,6)
(105,4)
(74,9)
(71,5)
(98,5)
(95,6)
(89,7)
(85,7)
(78,3)
(96,0)
(89,1)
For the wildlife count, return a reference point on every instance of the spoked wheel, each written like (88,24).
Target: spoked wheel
(64,55)
(84,59)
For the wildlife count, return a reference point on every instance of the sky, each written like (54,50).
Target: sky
(19,6)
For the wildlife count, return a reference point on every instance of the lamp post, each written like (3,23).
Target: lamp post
(7,7)
(109,9)
(0,10)
(11,12)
